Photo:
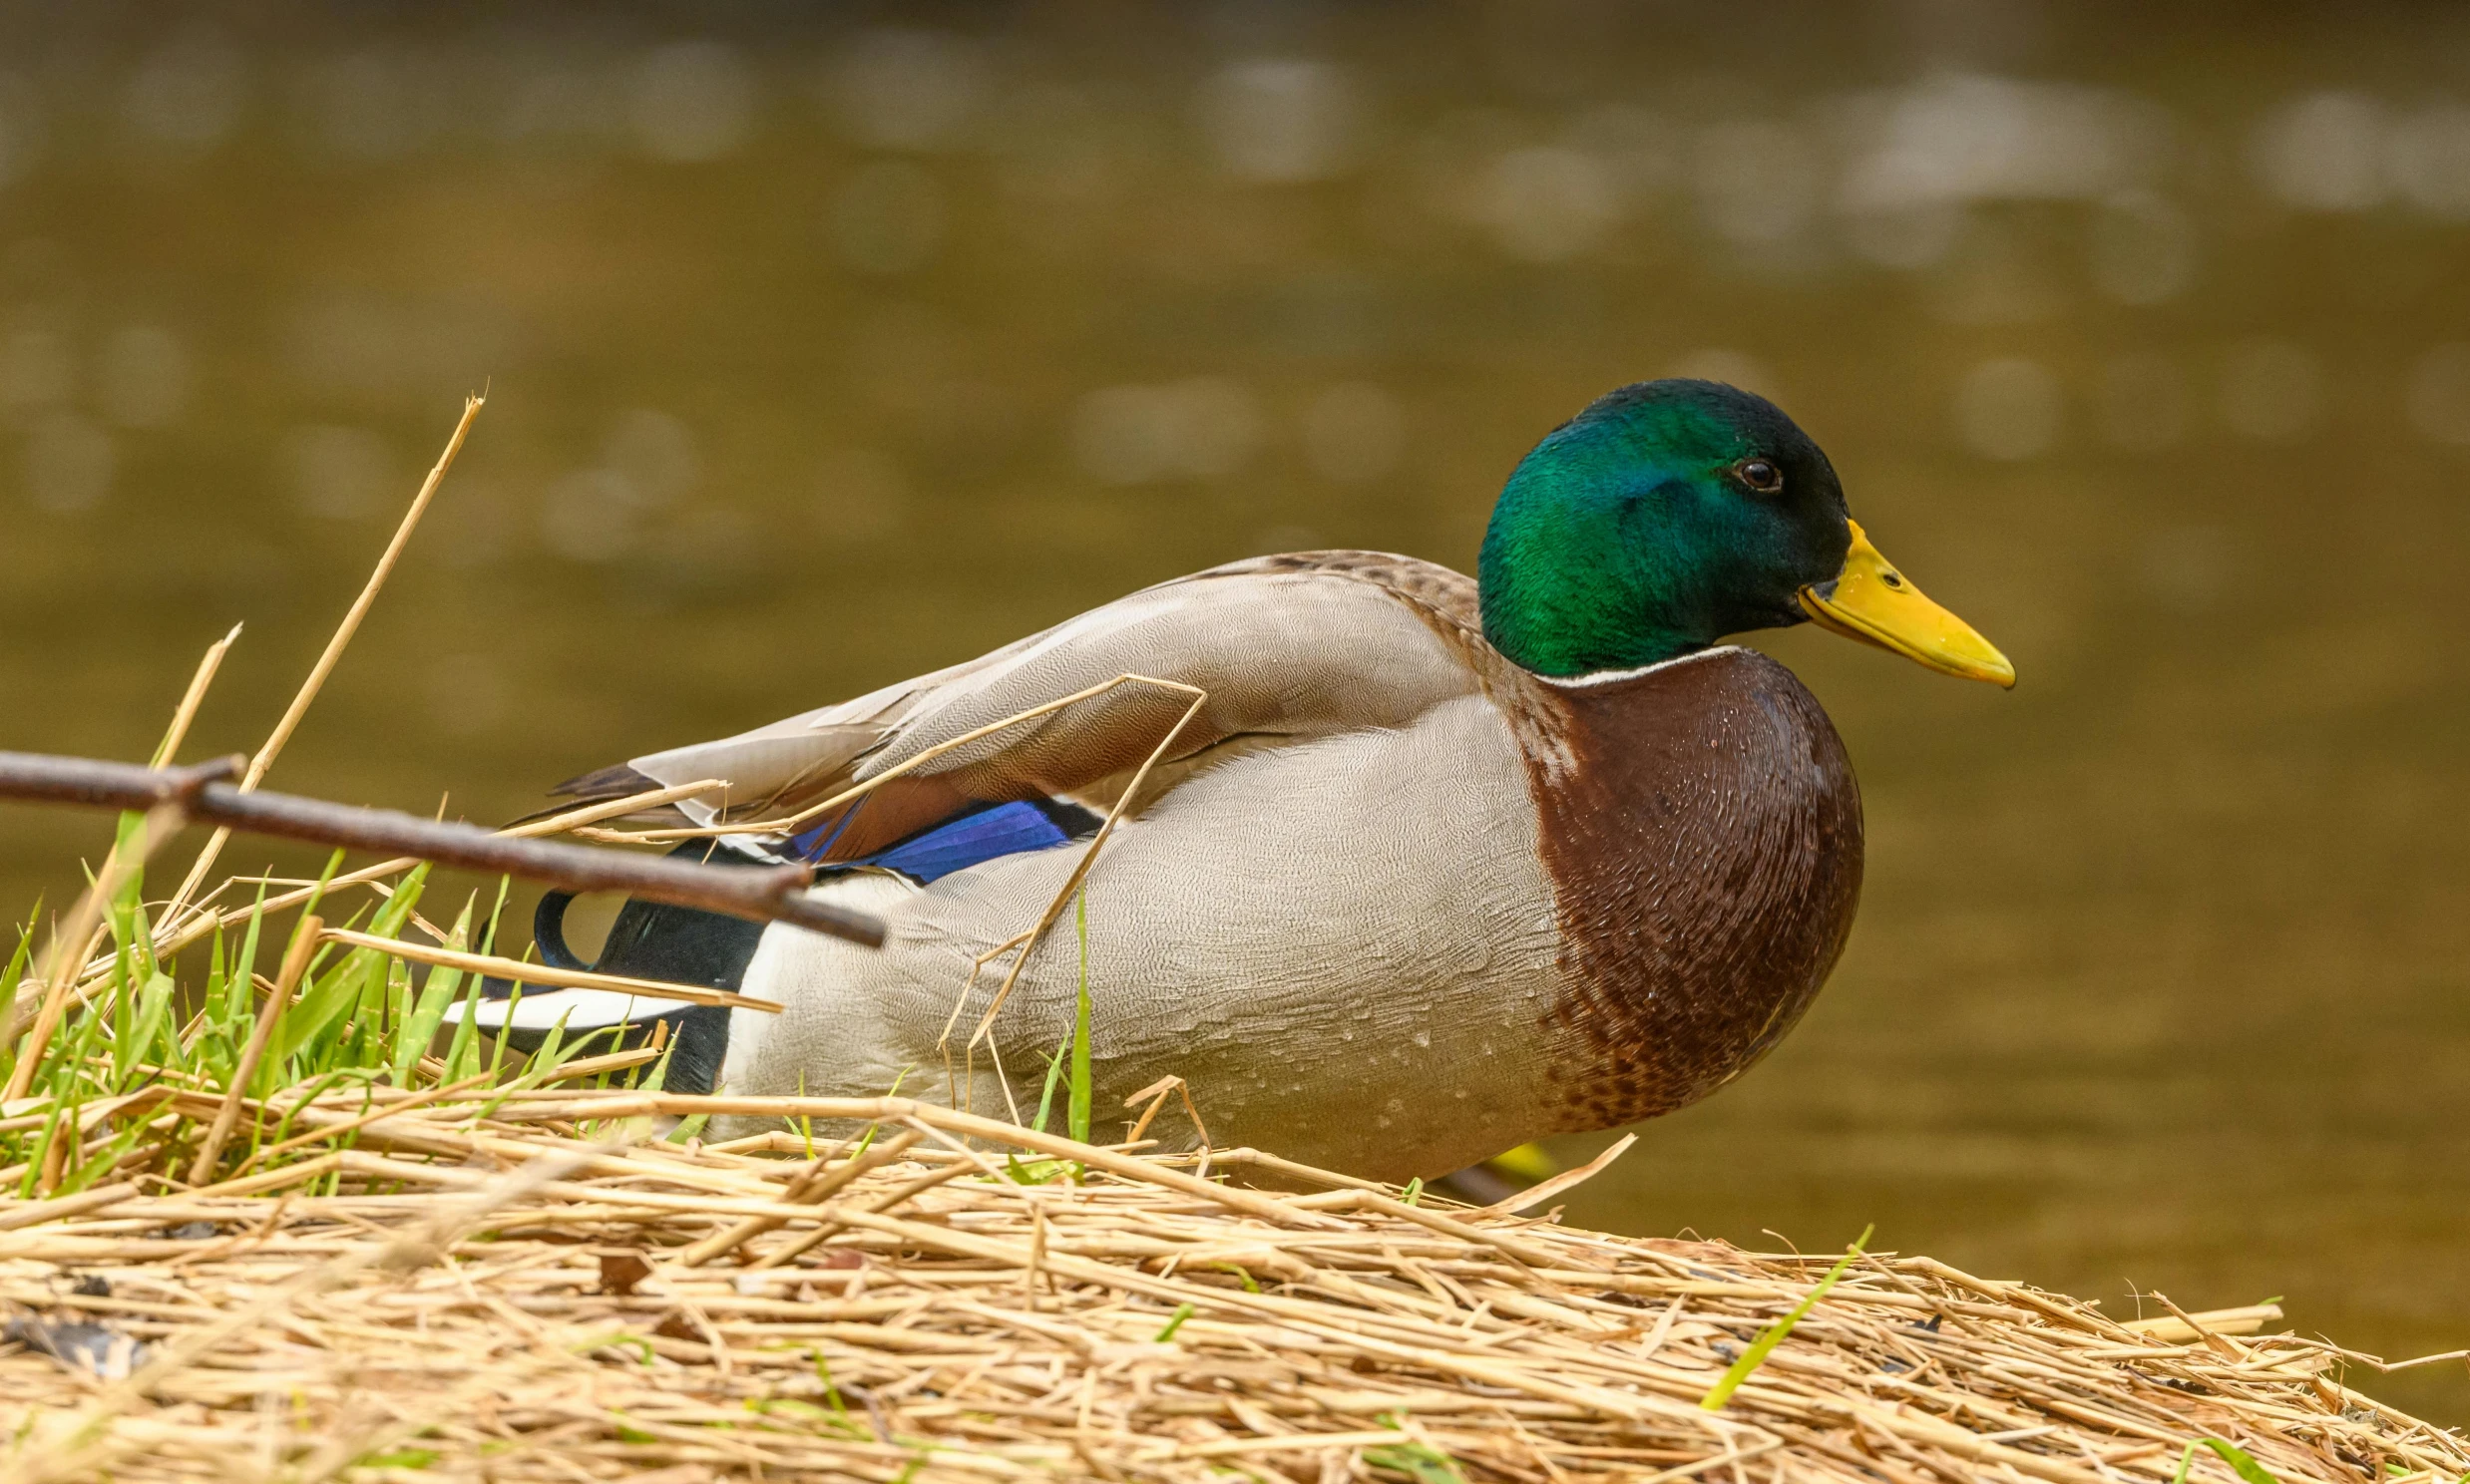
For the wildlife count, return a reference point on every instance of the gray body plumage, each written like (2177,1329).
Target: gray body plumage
(1327,914)
(1342,972)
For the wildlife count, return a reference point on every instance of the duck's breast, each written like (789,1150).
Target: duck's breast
(1702,833)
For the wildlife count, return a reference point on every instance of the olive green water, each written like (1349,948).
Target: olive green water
(822,356)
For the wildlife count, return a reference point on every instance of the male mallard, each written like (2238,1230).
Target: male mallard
(1436,867)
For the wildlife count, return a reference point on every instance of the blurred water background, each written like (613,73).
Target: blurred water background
(825,348)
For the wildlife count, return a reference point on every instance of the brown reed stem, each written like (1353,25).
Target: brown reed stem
(203,923)
(774,895)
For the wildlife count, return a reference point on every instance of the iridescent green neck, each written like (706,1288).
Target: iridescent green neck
(1586,567)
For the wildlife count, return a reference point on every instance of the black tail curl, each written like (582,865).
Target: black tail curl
(657,941)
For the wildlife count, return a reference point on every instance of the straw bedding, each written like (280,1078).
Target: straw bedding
(539,1289)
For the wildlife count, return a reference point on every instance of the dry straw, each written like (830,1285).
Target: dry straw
(528,1286)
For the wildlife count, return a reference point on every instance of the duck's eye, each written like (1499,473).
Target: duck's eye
(1761,475)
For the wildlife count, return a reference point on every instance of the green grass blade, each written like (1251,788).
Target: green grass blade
(68,1072)
(25,947)
(498,1043)
(429,1011)
(2240,1462)
(9,981)
(84,1176)
(1416,1459)
(657,1076)
(38,1148)
(324,1002)
(463,1053)
(288,1039)
(1055,1079)
(1763,1346)
(317,1090)
(241,1008)
(127,845)
(1078,1110)
(156,1040)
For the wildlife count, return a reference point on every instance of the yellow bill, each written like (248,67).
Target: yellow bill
(1872,601)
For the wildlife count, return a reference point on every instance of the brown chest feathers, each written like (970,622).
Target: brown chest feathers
(1703,834)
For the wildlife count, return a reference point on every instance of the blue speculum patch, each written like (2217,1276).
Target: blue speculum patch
(962,841)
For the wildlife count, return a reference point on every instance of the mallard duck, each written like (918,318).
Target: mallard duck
(1433,866)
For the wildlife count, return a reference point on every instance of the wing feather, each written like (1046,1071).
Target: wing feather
(1286,649)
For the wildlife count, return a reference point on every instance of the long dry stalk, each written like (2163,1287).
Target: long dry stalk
(192,698)
(263,760)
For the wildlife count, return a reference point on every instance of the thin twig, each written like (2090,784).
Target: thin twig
(1567,1180)
(776,893)
(813,1188)
(202,924)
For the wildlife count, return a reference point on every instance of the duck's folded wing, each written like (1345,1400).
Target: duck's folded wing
(1281,651)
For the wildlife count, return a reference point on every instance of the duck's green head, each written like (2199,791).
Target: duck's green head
(1670,514)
